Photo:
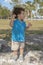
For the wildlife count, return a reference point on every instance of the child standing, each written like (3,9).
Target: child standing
(18,32)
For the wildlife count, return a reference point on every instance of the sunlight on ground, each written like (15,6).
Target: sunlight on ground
(36,25)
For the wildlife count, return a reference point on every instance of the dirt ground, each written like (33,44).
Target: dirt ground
(33,53)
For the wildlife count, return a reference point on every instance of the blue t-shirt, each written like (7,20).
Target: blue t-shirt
(18,31)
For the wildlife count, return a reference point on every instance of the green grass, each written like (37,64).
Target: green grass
(5,29)
(36,25)
(4,24)
(34,47)
(34,32)
(6,34)
(36,28)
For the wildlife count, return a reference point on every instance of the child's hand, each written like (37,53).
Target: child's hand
(12,19)
(13,16)
(29,24)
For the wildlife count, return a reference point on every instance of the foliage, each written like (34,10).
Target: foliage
(4,11)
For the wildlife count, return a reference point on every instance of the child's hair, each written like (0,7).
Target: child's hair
(17,10)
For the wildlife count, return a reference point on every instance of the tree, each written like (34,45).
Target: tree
(4,12)
(15,2)
(40,12)
(38,4)
(30,7)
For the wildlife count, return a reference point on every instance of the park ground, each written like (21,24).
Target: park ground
(33,52)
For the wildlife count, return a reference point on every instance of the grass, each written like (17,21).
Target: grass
(36,25)
(36,28)
(4,24)
(34,32)
(5,29)
(5,34)
(34,47)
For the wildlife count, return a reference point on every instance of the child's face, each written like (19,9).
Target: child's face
(21,15)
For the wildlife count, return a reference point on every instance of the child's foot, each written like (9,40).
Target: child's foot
(21,59)
(14,59)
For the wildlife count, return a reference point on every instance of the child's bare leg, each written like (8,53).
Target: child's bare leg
(15,47)
(22,45)
(21,51)
(21,58)
(15,54)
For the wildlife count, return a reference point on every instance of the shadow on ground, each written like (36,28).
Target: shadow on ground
(33,42)
(33,51)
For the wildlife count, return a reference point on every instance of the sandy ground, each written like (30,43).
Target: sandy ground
(31,56)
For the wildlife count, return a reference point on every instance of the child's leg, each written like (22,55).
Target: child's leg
(21,51)
(15,47)
(15,52)
(22,45)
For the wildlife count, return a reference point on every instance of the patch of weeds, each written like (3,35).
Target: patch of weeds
(34,47)
(34,32)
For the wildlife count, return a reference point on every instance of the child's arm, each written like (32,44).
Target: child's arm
(12,19)
(29,24)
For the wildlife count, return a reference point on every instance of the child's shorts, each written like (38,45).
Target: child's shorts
(17,45)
